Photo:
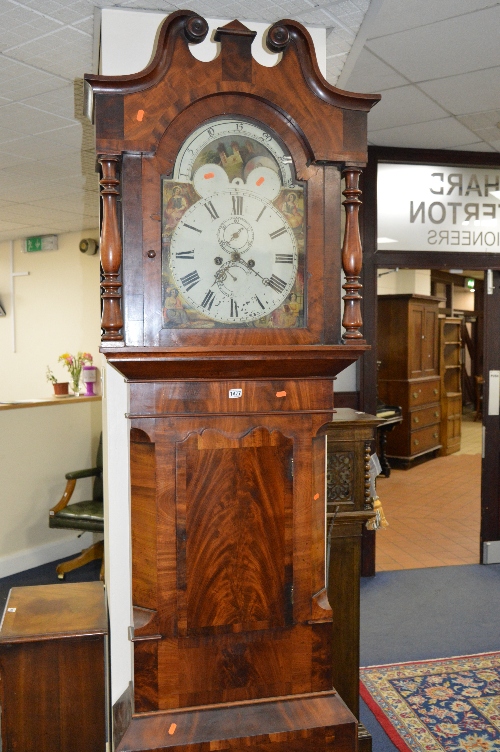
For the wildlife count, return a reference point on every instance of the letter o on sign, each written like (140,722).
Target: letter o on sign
(434,214)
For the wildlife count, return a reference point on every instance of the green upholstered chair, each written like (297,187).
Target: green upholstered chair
(81,515)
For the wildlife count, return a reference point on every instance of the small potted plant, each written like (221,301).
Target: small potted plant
(74,364)
(61,388)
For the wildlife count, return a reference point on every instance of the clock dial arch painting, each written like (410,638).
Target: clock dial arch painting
(233,231)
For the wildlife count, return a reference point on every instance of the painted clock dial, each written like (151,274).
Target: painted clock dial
(233,231)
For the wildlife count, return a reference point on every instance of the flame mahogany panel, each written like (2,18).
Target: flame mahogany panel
(234,564)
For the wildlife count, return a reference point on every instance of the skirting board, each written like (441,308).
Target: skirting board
(35,557)
(491,552)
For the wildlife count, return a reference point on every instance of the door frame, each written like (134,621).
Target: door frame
(373,259)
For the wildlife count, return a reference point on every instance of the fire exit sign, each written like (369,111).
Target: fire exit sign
(41,243)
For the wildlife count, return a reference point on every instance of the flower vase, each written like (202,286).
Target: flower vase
(76,388)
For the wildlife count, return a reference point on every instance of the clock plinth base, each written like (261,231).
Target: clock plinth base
(312,722)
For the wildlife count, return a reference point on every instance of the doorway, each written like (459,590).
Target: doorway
(430,329)
(417,253)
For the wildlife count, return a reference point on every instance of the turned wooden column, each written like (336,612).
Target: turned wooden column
(111,251)
(352,255)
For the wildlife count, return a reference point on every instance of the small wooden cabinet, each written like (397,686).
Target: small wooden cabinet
(451,384)
(52,669)
(408,341)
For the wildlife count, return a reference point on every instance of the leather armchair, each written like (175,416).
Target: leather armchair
(81,515)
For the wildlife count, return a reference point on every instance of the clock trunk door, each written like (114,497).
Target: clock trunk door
(234,565)
(229,609)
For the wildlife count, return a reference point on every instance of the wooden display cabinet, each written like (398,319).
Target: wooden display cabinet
(408,346)
(451,384)
(228,330)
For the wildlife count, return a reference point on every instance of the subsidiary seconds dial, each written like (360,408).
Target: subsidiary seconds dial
(233,256)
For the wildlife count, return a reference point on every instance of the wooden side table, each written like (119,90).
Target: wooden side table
(52,687)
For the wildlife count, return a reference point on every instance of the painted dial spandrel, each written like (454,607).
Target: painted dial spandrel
(233,231)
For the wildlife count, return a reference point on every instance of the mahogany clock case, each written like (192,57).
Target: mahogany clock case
(228,490)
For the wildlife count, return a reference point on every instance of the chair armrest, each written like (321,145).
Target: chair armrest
(76,474)
(68,492)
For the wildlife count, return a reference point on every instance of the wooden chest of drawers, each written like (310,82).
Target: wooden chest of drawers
(409,372)
(419,431)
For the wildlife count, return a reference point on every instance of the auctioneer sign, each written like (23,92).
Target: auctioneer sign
(438,208)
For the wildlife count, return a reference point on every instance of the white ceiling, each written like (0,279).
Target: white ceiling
(437,63)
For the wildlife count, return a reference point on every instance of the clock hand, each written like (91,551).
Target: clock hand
(247,264)
(220,274)
(235,235)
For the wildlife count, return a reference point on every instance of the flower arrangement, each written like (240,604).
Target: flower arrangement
(74,364)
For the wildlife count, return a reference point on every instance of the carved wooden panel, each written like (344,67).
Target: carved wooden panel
(340,476)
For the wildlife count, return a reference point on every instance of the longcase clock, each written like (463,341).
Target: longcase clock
(222,259)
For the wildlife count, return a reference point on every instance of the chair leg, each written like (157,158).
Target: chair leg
(101,573)
(96,551)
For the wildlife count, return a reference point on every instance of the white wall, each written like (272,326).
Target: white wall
(39,446)
(386,281)
(414,281)
(57,309)
(463,299)
(118,570)
(128,37)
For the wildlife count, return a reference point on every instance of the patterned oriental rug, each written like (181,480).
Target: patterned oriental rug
(450,704)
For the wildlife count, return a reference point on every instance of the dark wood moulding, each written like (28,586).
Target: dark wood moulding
(151,364)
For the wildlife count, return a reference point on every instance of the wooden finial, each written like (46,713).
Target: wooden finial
(278,38)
